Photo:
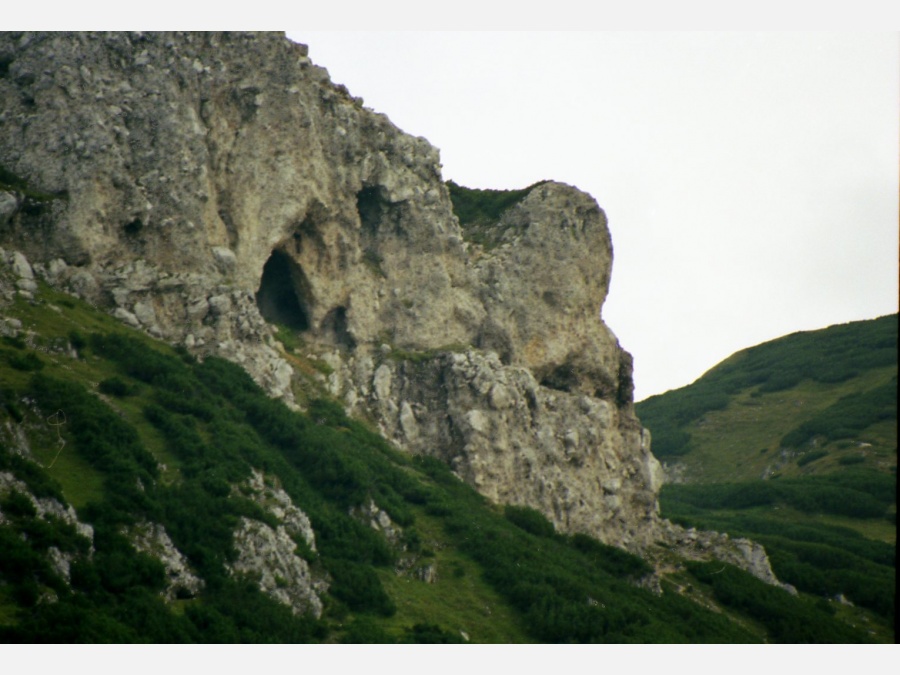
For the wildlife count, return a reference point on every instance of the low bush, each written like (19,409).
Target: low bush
(115,386)
(358,587)
(530,520)
(811,457)
(787,619)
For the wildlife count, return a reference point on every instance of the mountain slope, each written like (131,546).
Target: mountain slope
(824,391)
(794,443)
(176,466)
(202,187)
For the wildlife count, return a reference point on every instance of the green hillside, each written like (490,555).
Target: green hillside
(831,391)
(794,443)
(130,432)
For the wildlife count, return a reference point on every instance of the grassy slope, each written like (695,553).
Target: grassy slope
(743,441)
(784,412)
(501,576)
(762,394)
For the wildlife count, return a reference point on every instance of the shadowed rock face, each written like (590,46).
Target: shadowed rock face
(200,185)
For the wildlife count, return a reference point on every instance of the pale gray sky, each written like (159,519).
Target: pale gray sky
(750,179)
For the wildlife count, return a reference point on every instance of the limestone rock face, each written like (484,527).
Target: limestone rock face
(279,504)
(581,460)
(195,172)
(181,581)
(270,555)
(202,187)
(542,289)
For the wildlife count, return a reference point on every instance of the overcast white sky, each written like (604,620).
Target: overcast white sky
(750,179)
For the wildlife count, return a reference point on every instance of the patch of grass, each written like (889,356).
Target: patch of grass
(460,596)
(289,338)
(375,262)
(724,444)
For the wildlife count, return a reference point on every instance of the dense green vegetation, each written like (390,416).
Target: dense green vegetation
(793,444)
(786,619)
(815,557)
(847,417)
(131,431)
(859,494)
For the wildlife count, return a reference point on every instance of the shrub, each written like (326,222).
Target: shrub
(359,588)
(430,633)
(484,206)
(77,340)
(849,460)
(115,386)
(810,457)
(529,520)
(15,505)
(787,620)
(614,560)
(26,362)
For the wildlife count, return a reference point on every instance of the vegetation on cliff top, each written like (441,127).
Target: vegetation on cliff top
(479,211)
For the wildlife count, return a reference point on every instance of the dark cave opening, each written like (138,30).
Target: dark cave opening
(371,208)
(280,297)
(134,227)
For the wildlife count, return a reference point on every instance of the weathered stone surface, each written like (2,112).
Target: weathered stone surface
(204,185)
(9,204)
(268,556)
(578,459)
(173,188)
(378,520)
(268,494)
(181,582)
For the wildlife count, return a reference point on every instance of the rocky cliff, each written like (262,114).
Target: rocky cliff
(205,187)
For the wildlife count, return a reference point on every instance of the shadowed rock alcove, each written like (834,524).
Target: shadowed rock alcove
(283,295)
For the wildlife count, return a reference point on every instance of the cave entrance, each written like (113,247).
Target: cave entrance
(284,295)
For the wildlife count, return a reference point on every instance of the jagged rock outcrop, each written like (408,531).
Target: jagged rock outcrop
(181,581)
(270,555)
(48,508)
(203,186)
(269,495)
(378,520)
(581,460)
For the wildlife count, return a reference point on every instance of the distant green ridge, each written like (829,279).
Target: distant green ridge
(793,443)
(829,356)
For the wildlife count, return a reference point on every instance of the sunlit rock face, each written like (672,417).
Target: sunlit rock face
(203,186)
